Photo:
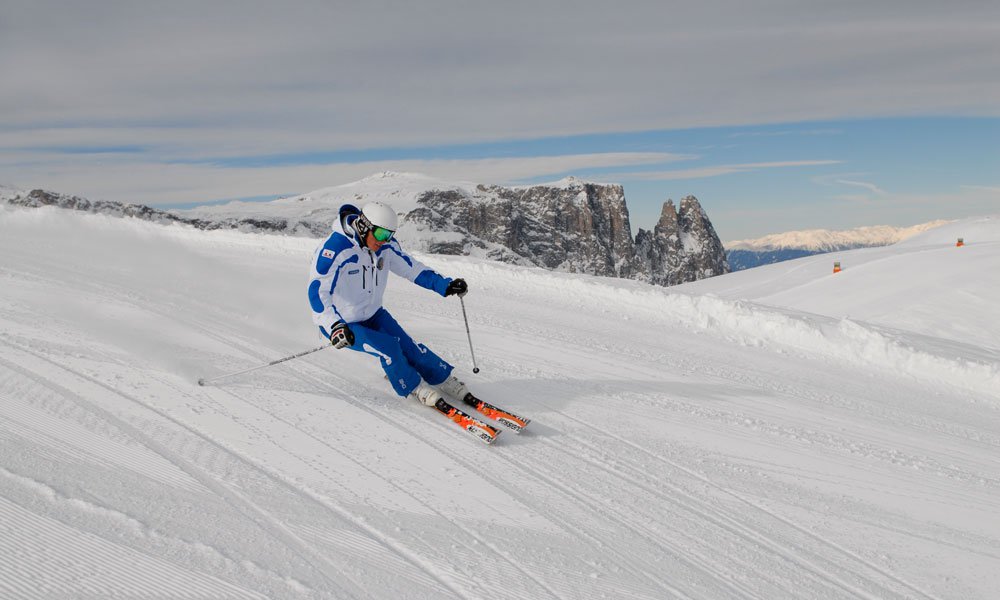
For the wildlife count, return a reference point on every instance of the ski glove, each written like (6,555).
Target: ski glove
(341,336)
(457,286)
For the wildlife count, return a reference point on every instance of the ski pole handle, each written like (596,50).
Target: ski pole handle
(475,369)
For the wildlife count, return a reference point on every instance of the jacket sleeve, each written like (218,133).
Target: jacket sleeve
(404,265)
(329,261)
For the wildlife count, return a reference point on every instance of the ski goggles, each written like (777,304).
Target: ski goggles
(382,234)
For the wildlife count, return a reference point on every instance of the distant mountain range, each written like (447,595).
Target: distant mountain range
(746,254)
(570,225)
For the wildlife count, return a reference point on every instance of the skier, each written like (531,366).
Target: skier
(349,273)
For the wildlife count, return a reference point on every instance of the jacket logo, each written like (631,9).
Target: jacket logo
(327,253)
(354,271)
(381,262)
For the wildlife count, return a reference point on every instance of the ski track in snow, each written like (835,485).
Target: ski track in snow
(277,529)
(700,507)
(661,462)
(232,497)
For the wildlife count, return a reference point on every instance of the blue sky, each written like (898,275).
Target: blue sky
(777,115)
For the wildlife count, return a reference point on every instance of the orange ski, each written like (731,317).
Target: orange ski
(504,417)
(486,433)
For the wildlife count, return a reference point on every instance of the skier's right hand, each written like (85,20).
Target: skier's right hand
(341,336)
(457,286)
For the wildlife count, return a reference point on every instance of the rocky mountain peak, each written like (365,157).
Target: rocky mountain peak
(667,225)
(689,203)
(570,226)
(682,247)
(702,242)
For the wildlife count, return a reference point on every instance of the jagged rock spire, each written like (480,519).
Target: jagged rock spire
(682,247)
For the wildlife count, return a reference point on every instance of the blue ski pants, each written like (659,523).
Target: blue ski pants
(404,361)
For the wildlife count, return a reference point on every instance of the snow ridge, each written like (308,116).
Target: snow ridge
(843,339)
(747,323)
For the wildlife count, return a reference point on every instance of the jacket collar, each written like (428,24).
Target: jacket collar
(348,214)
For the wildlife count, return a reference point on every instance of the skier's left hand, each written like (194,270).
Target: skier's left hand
(457,286)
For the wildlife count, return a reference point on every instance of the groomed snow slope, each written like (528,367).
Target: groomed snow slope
(683,446)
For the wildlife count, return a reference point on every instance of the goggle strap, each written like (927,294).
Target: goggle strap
(363,224)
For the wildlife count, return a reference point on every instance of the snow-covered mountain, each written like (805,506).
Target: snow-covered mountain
(570,225)
(745,254)
(8,192)
(778,433)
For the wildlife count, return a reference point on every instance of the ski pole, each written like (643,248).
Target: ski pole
(475,369)
(272,363)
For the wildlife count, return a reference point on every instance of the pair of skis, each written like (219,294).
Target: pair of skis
(485,432)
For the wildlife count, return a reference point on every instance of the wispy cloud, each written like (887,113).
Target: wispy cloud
(786,132)
(863,184)
(855,180)
(857,198)
(717,170)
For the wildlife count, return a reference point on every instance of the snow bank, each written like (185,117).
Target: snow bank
(844,339)
(748,323)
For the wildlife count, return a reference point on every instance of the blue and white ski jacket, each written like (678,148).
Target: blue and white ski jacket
(348,280)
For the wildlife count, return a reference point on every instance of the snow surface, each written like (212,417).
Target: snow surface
(781,432)
(825,240)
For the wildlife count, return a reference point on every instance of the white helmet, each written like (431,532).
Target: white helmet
(380,215)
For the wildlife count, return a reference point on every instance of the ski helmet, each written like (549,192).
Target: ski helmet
(379,215)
